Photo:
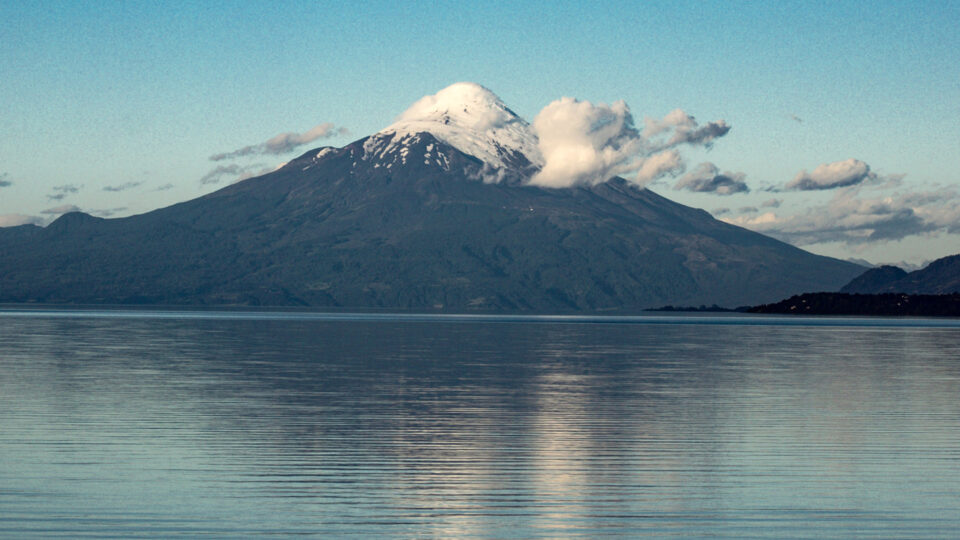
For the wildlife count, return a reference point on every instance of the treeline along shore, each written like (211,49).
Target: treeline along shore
(888,304)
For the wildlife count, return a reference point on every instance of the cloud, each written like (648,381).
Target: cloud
(62,209)
(14,220)
(214,176)
(107,212)
(164,187)
(703,136)
(583,143)
(755,222)
(4,182)
(748,210)
(832,175)
(887,181)
(658,165)
(242,172)
(771,203)
(854,220)
(720,211)
(255,172)
(220,171)
(706,178)
(284,142)
(123,187)
(796,118)
(673,119)
(678,128)
(61,192)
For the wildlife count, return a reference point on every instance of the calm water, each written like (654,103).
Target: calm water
(165,424)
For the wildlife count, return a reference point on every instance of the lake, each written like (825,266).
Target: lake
(166,423)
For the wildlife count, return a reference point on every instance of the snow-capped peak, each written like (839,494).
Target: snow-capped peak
(471,119)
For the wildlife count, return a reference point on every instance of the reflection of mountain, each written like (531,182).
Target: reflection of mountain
(409,218)
(282,427)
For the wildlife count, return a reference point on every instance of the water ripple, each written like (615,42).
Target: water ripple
(254,425)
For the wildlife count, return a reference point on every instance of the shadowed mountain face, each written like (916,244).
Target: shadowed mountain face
(409,226)
(942,276)
(874,279)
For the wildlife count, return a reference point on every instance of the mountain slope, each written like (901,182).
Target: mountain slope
(409,226)
(874,279)
(942,276)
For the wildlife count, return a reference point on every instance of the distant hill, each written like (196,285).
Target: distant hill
(874,279)
(409,219)
(939,277)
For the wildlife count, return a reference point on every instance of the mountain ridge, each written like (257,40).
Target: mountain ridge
(436,211)
(941,276)
(330,229)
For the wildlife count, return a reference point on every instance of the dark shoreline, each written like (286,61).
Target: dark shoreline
(839,304)
(884,305)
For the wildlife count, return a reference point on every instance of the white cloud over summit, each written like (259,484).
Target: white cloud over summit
(570,142)
(583,143)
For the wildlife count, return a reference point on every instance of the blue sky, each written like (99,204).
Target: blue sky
(136,96)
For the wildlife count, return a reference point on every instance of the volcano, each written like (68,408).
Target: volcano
(436,211)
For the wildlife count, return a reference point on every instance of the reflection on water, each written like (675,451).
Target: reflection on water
(144,426)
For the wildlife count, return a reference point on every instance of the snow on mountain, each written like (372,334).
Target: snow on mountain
(471,119)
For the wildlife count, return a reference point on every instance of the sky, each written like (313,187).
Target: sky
(843,116)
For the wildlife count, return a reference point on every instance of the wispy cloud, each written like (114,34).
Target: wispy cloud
(164,187)
(123,187)
(14,220)
(284,142)
(771,203)
(678,128)
(62,209)
(242,172)
(707,178)
(61,192)
(668,162)
(253,173)
(855,220)
(107,212)
(3,180)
